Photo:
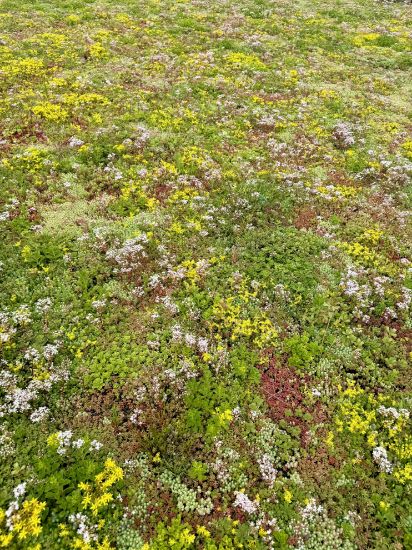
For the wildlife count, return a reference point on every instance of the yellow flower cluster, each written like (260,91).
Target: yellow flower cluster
(98,497)
(246,61)
(404,475)
(227,315)
(126,20)
(85,99)
(24,68)
(53,440)
(183,540)
(133,192)
(202,531)
(407,149)
(353,416)
(25,521)
(98,51)
(359,252)
(338,191)
(193,156)
(183,195)
(365,39)
(55,39)
(165,119)
(33,159)
(110,475)
(378,422)
(81,544)
(372,236)
(51,112)
(224,418)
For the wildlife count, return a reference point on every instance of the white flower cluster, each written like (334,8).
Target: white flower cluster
(75,142)
(168,304)
(368,292)
(99,304)
(8,208)
(18,493)
(380,456)
(394,413)
(267,470)
(343,136)
(66,441)
(10,321)
(129,255)
(243,502)
(180,337)
(142,139)
(84,528)
(112,170)
(43,305)
(17,400)
(39,414)
(311,509)
(7,446)
(406,301)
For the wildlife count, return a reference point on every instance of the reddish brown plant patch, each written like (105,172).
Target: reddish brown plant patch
(284,392)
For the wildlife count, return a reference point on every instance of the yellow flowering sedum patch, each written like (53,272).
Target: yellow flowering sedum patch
(377,422)
(51,112)
(24,523)
(246,61)
(98,497)
(227,316)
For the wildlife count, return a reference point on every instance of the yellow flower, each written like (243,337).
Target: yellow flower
(53,440)
(5,540)
(202,531)
(329,440)
(63,530)
(26,521)
(246,61)
(403,475)
(98,51)
(51,112)
(407,148)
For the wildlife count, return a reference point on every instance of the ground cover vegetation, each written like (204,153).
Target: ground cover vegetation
(206,276)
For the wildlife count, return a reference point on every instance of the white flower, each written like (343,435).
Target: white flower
(64,439)
(312,509)
(95,445)
(244,503)
(267,470)
(43,305)
(75,142)
(39,414)
(99,304)
(20,490)
(380,456)
(50,350)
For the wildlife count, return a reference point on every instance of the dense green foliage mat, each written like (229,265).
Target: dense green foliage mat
(206,276)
